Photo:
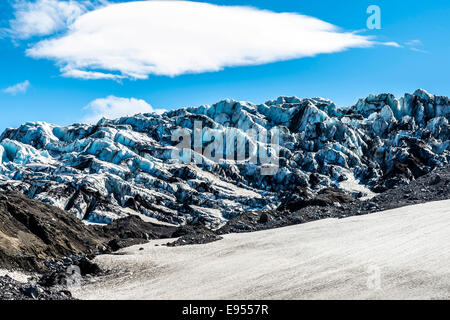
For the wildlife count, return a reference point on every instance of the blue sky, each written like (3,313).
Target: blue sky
(420,28)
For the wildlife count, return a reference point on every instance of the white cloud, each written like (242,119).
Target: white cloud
(113,107)
(390,44)
(416,45)
(45,17)
(415,42)
(136,39)
(89,75)
(21,87)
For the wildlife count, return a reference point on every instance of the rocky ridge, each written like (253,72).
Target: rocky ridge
(433,186)
(35,236)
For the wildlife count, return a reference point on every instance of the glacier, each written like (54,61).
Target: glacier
(100,172)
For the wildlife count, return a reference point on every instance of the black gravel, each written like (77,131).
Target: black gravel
(434,186)
(11,289)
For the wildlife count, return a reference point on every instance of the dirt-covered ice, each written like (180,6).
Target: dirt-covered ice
(396,254)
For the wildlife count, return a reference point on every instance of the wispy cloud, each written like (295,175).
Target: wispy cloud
(113,107)
(138,39)
(419,50)
(45,17)
(415,45)
(21,87)
(390,44)
(89,75)
(415,42)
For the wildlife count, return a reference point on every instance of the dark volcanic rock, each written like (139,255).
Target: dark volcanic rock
(61,273)
(434,186)
(264,218)
(38,237)
(88,267)
(325,197)
(31,232)
(134,227)
(197,234)
(132,230)
(11,289)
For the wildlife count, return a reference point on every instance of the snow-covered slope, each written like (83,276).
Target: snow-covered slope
(96,171)
(397,254)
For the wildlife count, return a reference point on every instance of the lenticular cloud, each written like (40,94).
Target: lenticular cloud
(137,39)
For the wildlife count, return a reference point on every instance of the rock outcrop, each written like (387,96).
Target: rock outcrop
(31,232)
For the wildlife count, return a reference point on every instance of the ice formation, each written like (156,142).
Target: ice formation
(101,172)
